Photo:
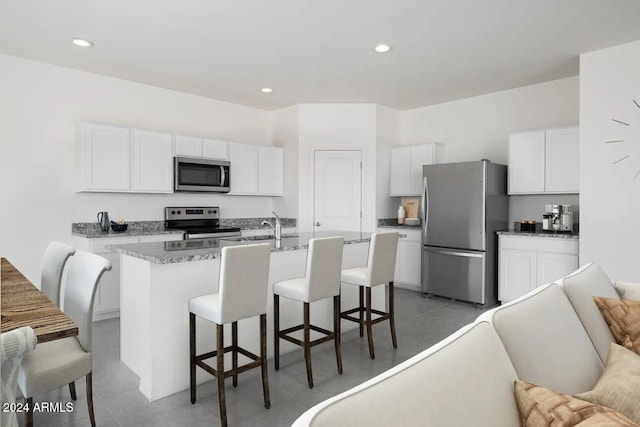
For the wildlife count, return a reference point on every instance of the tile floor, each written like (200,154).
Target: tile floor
(420,323)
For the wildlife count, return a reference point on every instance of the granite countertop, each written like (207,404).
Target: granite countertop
(91,230)
(162,252)
(393,223)
(542,234)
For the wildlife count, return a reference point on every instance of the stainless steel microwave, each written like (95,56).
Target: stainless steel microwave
(202,175)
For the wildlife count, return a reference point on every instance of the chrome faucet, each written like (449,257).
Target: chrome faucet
(277,229)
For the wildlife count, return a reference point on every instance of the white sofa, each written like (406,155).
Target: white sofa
(554,336)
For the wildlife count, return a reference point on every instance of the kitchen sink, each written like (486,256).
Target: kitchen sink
(257,238)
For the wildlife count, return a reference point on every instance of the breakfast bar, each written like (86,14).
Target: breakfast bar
(158,279)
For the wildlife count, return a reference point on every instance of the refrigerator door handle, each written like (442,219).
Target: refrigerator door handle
(464,254)
(424,207)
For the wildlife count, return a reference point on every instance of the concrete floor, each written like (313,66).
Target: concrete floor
(420,323)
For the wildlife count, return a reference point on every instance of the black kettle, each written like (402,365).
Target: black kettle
(103,220)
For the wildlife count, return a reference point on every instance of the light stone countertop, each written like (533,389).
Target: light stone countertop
(543,235)
(161,252)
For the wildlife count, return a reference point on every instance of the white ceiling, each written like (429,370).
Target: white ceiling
(321,51)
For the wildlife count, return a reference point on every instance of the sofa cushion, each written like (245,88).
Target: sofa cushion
(619,386)
(581,286)
(542,407)
(623,318)
(628,290)
(546,341)
(466,379)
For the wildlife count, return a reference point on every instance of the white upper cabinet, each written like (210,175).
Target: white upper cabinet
(244,168)
(271,171)
(562,172)
(214,149)
(190,146)
(104,160)
(152,161)
(544,161)
(526,162)
(406,167)
(256,170)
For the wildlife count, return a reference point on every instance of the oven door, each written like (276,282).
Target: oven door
(202,175)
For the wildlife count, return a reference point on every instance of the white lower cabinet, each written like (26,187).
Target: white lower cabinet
(107,300)
(408,272)
(527,262)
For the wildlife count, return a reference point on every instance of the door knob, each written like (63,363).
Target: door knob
(318,224)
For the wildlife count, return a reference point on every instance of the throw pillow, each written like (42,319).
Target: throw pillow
(619,386)
(541,407)
(623,318)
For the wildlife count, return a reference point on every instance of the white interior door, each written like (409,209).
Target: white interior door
(337,190)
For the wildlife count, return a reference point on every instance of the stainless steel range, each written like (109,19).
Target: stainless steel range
(197,222)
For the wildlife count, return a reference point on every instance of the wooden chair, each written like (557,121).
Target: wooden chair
(242,293)
(321,280)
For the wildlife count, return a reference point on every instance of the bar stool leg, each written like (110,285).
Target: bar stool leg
(263,357)
(307,344)
(72,390)
(234,359)
(276,331)
(192,356)
(368,322)
(220,374)
(361,310)
(392,316)
(336,331)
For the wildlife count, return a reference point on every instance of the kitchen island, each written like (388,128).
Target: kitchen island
(158,279)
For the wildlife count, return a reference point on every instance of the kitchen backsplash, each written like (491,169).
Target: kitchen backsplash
(531,206)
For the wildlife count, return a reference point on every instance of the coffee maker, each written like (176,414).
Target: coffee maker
(557,218)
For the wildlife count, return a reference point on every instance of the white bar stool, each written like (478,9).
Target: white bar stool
(380,269)
(242,293)
(321,280)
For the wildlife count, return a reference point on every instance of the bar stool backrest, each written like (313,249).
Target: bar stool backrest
(382,257)
(324,265)
(244,279)
(53,261)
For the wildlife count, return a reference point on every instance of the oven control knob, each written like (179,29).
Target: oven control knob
(179,212)
(210,211)
(173,212)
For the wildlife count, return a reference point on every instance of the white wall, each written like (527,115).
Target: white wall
(609,194)
(336,127)
(387,136)
(41,108)
(478,127)
(284,124)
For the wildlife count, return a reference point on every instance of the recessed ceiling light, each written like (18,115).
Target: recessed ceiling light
(82,43)
(267,90)
(382,48)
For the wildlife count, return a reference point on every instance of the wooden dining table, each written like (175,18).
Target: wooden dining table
(22,304)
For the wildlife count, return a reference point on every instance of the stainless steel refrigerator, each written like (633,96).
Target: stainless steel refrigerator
(463,205)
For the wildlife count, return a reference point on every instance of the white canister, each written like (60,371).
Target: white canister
(401,215)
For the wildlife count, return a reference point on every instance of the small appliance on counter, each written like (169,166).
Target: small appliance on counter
(557,218)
